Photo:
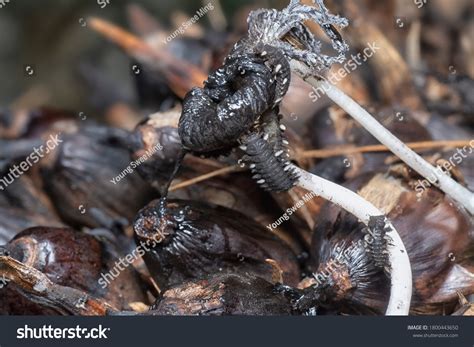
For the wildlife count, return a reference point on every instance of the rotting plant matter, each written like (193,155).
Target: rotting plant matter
(238,105)
(215,260)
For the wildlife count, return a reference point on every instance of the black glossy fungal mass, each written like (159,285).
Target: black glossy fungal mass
(216,116)
(190,240)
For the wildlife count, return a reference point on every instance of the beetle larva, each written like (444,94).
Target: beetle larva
(272,170)
(267,155)
(376,241)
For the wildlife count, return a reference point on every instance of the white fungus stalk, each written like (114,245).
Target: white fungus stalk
(400,268)
(449,186)
(268,27)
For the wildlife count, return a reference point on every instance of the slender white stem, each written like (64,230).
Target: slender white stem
(450,187)
(400,273)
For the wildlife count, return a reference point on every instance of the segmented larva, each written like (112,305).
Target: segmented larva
(376,241)
(271,169)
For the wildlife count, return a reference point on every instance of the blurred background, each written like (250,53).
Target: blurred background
(51,40)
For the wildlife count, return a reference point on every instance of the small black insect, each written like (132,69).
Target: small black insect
(272,171)
(376,241)
(267,155)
